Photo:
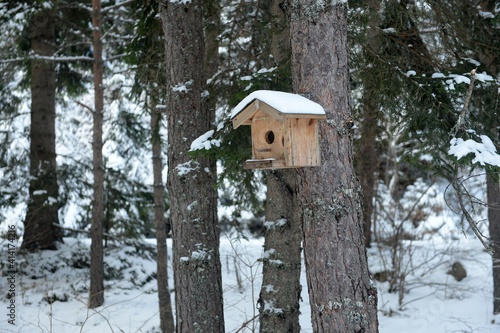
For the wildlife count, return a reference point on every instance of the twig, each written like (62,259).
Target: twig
(246,323)
(464,114)
(83,231)
(85,106)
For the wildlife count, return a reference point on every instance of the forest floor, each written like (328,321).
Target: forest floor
(52,289)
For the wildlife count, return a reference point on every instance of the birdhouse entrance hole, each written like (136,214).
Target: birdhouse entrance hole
(270,137)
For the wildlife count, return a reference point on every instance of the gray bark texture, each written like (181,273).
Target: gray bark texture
(190,185)
(493,193)
(279,304)
(96,289)
(341,295)
(279,299)
(166,316)
(40,232)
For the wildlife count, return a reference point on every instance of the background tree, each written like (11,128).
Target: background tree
(341,295)
(197,275)
(96,289)
(148,54)
(40,231)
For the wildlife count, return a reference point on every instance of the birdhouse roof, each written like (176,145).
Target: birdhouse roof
(277,104)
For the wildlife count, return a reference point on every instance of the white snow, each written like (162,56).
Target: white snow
(410,73)
(485,151)
(281,101)
(204,142)
(185,168)
(486,14)
(434,301)
(39,192)
(389,30)
(484,77)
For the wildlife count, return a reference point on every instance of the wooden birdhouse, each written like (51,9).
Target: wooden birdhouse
(284,129)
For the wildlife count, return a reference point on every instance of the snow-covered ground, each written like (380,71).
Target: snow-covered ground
(434,301)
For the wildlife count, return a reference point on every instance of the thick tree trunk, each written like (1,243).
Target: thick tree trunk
(493,192)
(96,249)
(166,316)
(341,295)
(40,232)
(279,297)
(197,269)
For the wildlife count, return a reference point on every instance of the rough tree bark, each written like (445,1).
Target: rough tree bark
(341,295)
(96,289)
(166,317)
(40,232)
(197,269)
(493,193)
(279,304)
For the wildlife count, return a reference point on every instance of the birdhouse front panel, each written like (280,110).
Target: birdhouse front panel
(267,137)
(301,143)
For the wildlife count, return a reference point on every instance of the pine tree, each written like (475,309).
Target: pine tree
(41,231)
(197,268)
(96,289)
(341,295)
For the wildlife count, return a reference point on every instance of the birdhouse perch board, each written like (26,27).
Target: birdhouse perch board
(284,129)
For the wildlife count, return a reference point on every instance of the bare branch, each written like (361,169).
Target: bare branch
(85,106)
(464,113)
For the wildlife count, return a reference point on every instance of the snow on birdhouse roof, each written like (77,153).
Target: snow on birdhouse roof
(283,102)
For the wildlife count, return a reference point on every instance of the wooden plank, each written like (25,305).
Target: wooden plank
(302,144)
(304,115)
(270,110)
(270,164)
(261,147)
(264,164)
(242,117)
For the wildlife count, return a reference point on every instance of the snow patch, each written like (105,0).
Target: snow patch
(204,142)
(185,168)
(485,151)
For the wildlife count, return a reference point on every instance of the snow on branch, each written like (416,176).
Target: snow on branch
(205,142)
(124,3)
(485,151)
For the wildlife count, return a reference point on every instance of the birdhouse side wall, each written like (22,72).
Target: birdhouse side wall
(267,138)
(301,142)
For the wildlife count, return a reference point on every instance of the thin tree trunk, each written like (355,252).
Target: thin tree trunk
(341,295)
(166,316)
(367,155)
(96,297)
(493,193)
(279,297)
(40,232)
(279,304)
(193,209)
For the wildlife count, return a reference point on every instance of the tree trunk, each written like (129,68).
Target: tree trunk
(367,154)
(40,232)
(166,317)
(96,249)
(279,304)
(341,295)
(279,297)
(193,209)
(493,192)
